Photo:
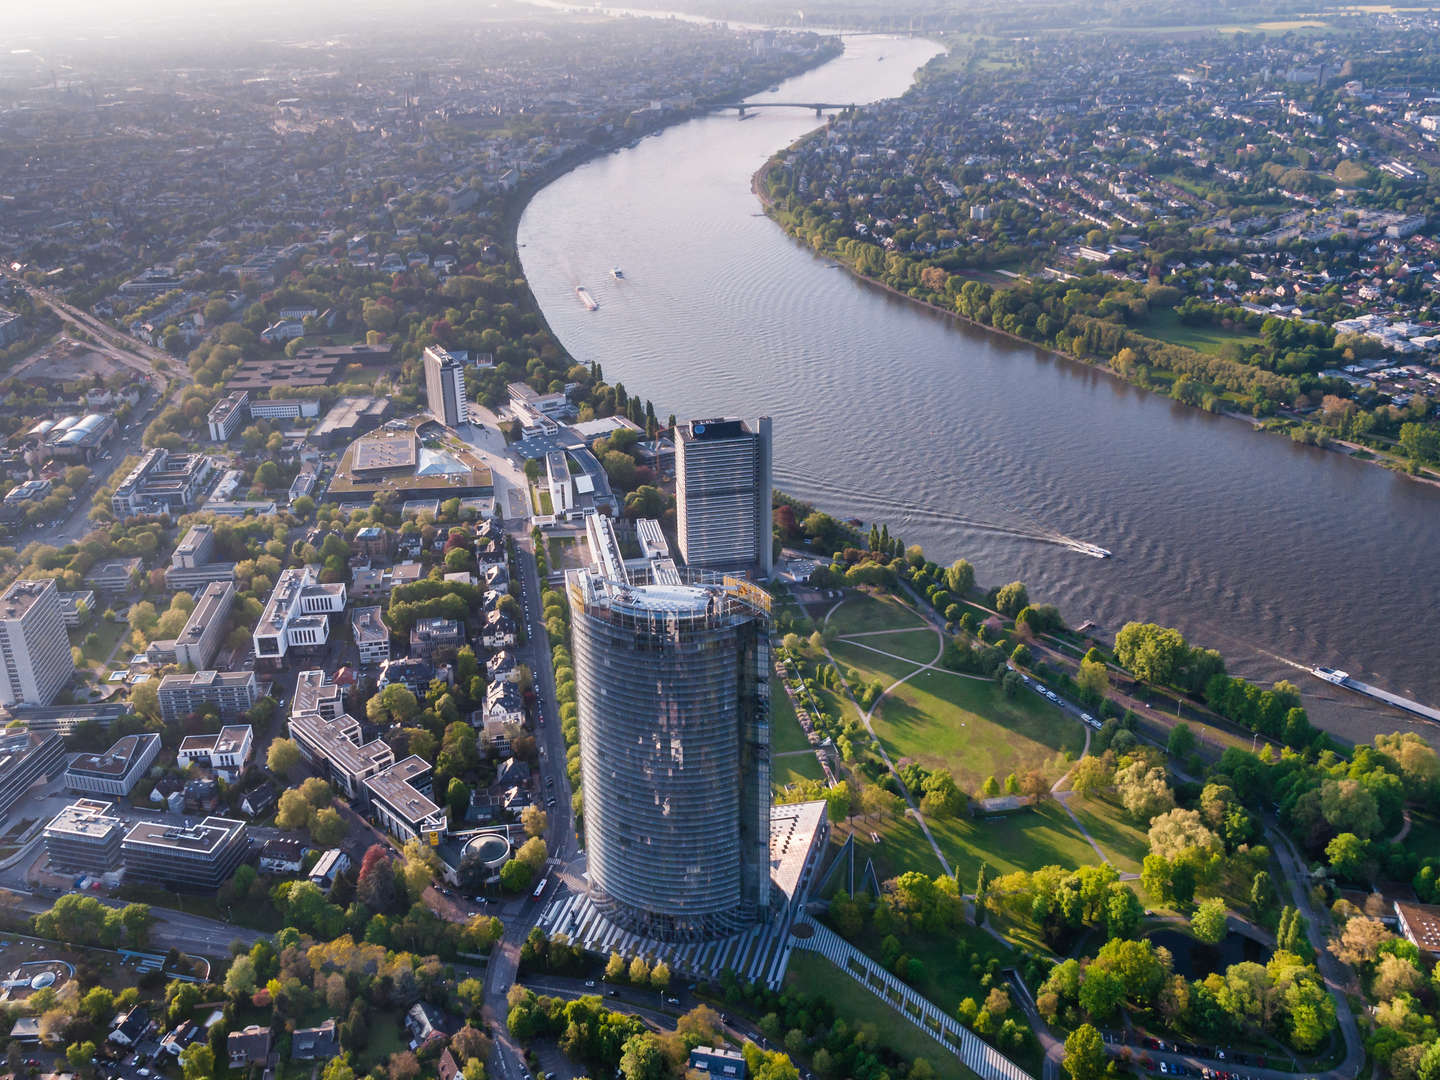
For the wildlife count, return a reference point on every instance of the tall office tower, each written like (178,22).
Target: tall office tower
(722,487)
(33,645)
(672,683)
(445,387)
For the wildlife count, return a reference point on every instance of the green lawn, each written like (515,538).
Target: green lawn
(861,612)
(871,666)
(1165,324)
(1027,840)
(109,633)
(944,720)
(812,974)
(1119,837)
(385,1037)
(785,731)
(920,646)
(793,767)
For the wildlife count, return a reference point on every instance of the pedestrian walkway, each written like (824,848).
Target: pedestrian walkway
(759,954)
(974,1053)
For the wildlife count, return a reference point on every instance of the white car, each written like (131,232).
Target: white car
(1088,719)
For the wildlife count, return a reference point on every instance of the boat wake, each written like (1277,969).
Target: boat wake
(881,506)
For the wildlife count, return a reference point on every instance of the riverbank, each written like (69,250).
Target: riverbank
(1377,457)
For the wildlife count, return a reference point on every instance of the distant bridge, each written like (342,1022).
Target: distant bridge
(745,106)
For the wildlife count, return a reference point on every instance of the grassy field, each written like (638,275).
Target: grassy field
(785,731)
(811,973)
(1166,325)
(1028,840)
(861,612)
(1118,836)
(792,768)
(870,666)
(920,646)
(943,720)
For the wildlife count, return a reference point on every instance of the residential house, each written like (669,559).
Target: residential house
(249,1047)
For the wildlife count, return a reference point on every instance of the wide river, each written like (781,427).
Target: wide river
(974,445)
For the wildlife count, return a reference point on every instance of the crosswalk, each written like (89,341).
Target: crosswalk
(759,954)
(974,1053)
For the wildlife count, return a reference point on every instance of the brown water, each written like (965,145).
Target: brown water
(1281,556)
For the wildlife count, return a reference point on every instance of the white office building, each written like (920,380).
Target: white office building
(297,615)
(445,387)
(33,646)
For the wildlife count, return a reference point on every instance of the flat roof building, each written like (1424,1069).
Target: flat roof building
(228,415)
(84,838)
(117,770)
(227,751)
(297,615)
(1420,923)
(723,491)
(400,799)
(316,693)
(445,387)
(198,641)
(337,748)
(231,692)
(34,650)
(372,636)
(25,757)
(163,482)
(191,563)
(198,858)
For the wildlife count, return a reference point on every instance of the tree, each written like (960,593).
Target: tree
(1181,743)
(1181,832)
(1360,941)
(641,1058)
(1101,993)
(240,979)
(80,1054)
(145,698)
(375,884)
(535,821)
(1009,599)
(1349,806)
(327,828)
(639,971)
(614,967)
(1261,891)
(1091,774)
(197,1061)
(1144,790)
(660,975)
(1154,653)
(283,757)
(293,812)
(960,577)
(1122,911)
(1085,1054)
(1093,678)
(1208,922)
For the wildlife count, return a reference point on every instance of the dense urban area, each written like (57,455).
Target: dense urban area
(390,695)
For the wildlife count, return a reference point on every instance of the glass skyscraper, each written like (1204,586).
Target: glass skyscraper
(673,693)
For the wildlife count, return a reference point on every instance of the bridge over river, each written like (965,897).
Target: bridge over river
(744,107)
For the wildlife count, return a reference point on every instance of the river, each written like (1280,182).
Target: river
(1280,556)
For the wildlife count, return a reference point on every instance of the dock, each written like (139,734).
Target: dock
(1425,711)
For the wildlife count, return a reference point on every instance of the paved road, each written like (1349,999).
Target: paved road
(507,1060)
(188,933)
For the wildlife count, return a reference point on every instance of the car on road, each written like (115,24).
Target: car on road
(590,982)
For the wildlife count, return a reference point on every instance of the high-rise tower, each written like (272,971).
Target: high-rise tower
(445,387)
(722,492)
(34,651)
(672,683)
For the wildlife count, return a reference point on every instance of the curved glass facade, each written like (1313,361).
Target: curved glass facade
(672,689)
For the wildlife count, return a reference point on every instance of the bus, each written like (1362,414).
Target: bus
(541,887)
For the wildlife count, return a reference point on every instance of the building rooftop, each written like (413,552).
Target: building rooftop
(20,597)
(117,760)
(386,450)
(206,838)
(367,626)
(793,828)
(341,739)
(200,679)
(1423,922)
(228,740)
(89,819)
(207,610)
(395,786)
